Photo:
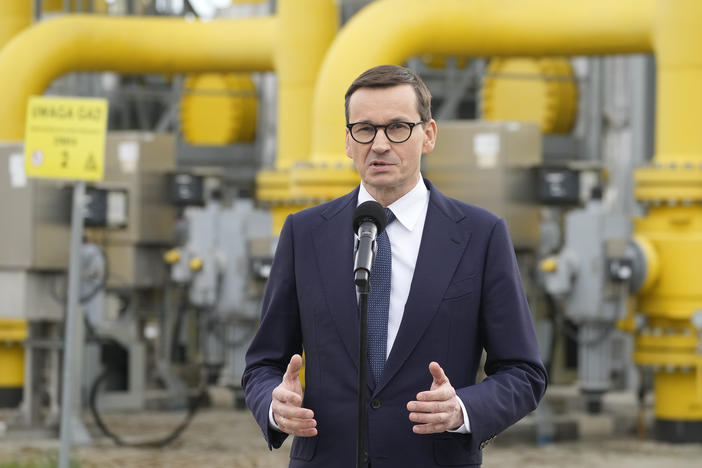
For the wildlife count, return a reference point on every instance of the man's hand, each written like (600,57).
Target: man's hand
(288,413)
(437,410)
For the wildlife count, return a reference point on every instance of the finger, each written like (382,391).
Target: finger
(292,412)
(430,406)
(294,423)
(438,373)
(430,418)
(299,427)
(284,395)
(292,373)
(429,428)
(442,393)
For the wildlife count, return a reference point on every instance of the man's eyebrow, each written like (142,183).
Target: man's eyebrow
(393,120)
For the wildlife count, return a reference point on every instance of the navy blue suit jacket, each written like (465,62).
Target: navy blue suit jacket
(466,296)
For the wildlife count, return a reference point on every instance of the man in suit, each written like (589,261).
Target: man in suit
(454,290)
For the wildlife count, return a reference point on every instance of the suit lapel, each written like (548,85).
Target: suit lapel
(440,251)
(333,244)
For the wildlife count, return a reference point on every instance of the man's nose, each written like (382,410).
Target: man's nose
(381,143)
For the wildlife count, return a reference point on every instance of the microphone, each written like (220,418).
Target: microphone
(369,221)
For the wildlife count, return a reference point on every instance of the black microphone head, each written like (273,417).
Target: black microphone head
(370,211)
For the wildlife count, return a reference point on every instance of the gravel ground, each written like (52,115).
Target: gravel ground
(222,437)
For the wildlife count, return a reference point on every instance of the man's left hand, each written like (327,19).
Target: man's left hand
(436,410)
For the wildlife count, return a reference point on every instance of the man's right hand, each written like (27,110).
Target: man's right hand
(288,412)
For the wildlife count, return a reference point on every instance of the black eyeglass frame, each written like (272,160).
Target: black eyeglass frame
(411,125)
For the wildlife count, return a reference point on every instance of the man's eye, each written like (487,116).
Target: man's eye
(364,128)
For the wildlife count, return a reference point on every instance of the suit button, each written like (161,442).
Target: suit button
(375,404)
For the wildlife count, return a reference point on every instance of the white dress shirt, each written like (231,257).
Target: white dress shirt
(405,235)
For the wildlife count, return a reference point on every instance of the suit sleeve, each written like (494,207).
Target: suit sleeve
(516,378)
(277,339)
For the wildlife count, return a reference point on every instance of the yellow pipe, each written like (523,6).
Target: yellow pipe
(38,55)
(305,30)
(15,15)
(670,28)
(391,31)
(678,44)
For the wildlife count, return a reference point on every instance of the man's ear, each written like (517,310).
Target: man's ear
(347,143)
(430,131)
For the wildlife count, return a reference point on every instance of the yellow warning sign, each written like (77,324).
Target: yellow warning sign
(65,138)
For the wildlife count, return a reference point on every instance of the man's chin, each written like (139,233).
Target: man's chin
(380,181)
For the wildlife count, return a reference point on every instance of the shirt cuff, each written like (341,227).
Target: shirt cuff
(271,419)
(464,429)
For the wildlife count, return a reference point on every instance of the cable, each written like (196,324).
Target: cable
(193,405)
(552,316)
(178,324)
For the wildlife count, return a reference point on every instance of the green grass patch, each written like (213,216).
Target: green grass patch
(45,461)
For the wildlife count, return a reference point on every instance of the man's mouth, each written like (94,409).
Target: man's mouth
(379,163)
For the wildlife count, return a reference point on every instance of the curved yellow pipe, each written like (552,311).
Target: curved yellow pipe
(38,55)
(15,15)
(391,31)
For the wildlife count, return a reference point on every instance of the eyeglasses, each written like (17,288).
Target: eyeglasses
(396,132)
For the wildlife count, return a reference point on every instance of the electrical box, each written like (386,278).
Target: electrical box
(492,165)
(138,164)
(105,208)
(187,189)
(35,216)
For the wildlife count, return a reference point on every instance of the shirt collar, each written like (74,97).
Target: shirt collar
(407,208)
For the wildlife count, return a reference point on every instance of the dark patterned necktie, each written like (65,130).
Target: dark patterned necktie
(379,302)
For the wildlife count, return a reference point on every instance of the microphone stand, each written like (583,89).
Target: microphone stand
(362,281)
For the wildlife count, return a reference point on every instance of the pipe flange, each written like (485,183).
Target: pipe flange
(671,184)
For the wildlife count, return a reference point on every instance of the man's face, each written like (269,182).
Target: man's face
(388,170)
